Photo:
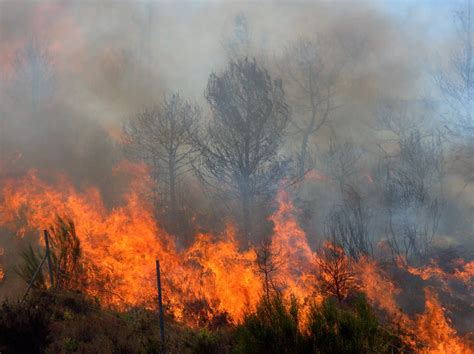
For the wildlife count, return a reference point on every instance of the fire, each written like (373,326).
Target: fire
(380,290)
(467,272)
(2,272)
(213,278)
(122,245)
(463,272)
(314,175)
(435,330)
(122,242)
(226,277)
(297,266)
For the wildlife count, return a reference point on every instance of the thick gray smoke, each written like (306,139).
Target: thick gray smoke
(73,72)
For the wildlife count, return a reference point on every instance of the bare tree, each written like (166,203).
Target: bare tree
(240,147)
(313,93)
(456,83)
(340,162)
(160,136)
(349,225)
(269,261)
(412,183)
(336,276)
(414,208)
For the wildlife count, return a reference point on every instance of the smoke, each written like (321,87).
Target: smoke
(72,72)
(112,57)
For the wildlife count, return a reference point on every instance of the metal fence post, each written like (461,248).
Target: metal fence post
(48,256)
(160,306)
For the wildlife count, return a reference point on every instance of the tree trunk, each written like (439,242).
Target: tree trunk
(173,204)
(307,134)
(303,153)
(246,218)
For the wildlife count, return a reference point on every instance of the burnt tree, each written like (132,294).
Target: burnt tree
(335,276)
(350,225)
(269,261)
(411,173)
(340,162)
(456,83)
(160,136)
(239,150)
(314,88)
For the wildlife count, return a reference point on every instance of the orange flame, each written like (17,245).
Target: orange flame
(435,330)
(2,272)
(214,274)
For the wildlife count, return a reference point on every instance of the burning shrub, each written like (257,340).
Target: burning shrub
(336,275)
(200,313)
(269,261)
(31,262)
(65,254)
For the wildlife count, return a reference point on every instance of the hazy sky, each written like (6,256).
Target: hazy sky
(114,57)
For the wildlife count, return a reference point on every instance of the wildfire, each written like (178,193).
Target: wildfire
(435,329)
(314,175)
(297,266)
(463,272)
(214,276)
(2,273)
(122,245)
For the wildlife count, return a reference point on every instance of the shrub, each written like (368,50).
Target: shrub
(65,258)
(24,328)
(331,327)
(334,328)
(66,322)
(273,328)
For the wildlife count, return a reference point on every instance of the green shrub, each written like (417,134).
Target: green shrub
(336,328)
(332,327)
(206,342)
(68,322)
(273,328)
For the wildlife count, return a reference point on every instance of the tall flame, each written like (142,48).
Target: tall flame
(435,330)
(214,276)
